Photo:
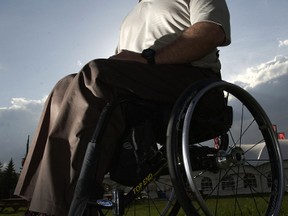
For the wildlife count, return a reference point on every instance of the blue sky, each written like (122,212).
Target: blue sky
(42,41)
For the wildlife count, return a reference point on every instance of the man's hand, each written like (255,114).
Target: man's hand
(126,55)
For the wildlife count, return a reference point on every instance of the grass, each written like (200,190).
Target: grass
(245,206)
(225,208)
(10,212)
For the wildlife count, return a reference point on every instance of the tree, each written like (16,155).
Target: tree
(1,179)
(8,180)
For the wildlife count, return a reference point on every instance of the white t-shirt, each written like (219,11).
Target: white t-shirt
(155,23)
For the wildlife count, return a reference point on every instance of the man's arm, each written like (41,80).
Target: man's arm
(194,43)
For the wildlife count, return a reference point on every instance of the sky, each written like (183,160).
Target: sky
(41,41)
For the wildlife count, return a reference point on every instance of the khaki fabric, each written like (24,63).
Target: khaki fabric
(69,117)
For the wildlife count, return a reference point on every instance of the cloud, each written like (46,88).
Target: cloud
(267,83)
(263,73)
(272,96)
(17,122)
(23,104)
(283,43)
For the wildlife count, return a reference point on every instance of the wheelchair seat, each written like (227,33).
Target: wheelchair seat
(147,126)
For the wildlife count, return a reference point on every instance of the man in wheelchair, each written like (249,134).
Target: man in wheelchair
(164,46)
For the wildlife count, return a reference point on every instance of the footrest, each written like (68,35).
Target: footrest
(103,203)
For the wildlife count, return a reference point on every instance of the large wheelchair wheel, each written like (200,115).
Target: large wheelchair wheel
(238,170)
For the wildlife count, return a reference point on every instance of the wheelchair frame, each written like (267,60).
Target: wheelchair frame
(188,99)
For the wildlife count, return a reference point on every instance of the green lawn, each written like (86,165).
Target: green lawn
(10,212)
(142,207)
(246,206)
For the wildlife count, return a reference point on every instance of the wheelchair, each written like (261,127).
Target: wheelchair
(219,156)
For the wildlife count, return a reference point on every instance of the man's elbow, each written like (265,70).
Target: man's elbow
(212,33)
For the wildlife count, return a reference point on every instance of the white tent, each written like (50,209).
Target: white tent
(257,173)
(249,176)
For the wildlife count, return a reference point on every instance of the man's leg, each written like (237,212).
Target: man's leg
(67,137)
(85,97)
(29,173)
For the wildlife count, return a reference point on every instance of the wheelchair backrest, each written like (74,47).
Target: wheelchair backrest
(212,117)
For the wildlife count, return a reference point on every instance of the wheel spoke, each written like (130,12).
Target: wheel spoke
(240,178)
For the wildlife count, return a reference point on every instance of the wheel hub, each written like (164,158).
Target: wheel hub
(235,157)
